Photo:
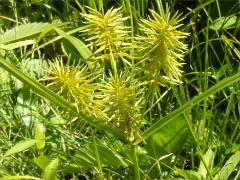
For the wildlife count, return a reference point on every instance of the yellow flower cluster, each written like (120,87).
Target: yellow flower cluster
(118,94)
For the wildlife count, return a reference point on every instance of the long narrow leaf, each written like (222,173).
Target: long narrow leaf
(36,86)
(19,177)
(22,32)
(197,99)
(16,45)
(77,43)
(52,40)
(80,47)
(56,99)
(21,146)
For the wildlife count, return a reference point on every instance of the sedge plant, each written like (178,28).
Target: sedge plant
(161,51)
(131,71)
(115,97)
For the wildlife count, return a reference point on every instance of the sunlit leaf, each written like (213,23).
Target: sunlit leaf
(223,23)
(209,159)
(169,138)
(17,44)
(190,175)
(21,146)
(19,177)
(50,170)
(42,161)
(40,137)
(22,32)
(229,166)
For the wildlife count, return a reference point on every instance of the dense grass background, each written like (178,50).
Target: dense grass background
(192,129)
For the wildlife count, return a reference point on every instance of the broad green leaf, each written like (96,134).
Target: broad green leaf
(19,177)
(231,46)
(69,50)
(36,1)
(197,99)
(56,99)
(85,157)
(22,32)
(223,23)
(42,161)
(77,43)
(228,167)
(169,137)
(209,159)
(21,146)
(108,157)
(77,47)
(50,170)
(71,168)
(40,137)
(189,175)
(201,174)
(50,41)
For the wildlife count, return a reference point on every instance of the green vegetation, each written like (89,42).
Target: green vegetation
(119,89)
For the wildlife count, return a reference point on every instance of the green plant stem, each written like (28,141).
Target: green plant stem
(135,162)
(199,150)
(227,113)
(205,86)
(101,177)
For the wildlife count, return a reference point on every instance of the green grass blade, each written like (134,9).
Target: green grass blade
(77,43)
(201,6)
(15,45)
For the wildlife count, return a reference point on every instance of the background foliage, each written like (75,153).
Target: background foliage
(119,89)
